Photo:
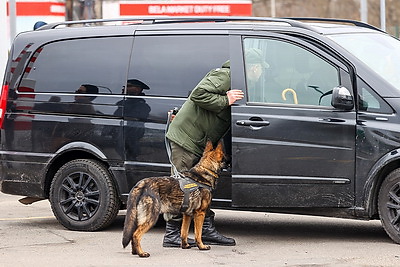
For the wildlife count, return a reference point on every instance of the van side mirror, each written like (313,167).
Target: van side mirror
(342,98)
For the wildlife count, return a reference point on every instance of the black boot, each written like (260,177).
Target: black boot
(172,237)
(211,236)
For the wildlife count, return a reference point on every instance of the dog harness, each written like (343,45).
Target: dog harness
(188,186)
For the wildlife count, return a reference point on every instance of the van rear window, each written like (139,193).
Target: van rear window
(62,67)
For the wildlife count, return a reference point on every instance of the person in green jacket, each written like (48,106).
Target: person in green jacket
(206,115)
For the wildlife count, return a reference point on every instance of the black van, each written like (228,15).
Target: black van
(84,107)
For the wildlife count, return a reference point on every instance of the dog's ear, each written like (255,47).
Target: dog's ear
(209,146)
(220,149)
(220,146)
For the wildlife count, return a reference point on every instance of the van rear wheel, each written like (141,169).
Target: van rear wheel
(83,197)
(389,205)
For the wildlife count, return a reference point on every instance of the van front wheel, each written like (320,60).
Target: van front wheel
(389,205)
(83,197)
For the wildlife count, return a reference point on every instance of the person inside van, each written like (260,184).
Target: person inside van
(86,89)
(83,103)
(135,87)
(206,115)
(136,111)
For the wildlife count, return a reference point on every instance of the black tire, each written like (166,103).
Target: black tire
(389,205)
(83,196)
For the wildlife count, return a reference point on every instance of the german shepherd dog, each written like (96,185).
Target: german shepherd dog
(155,195)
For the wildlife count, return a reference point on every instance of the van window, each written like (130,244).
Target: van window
(294,75)
(173,65)
(62,67)
(370,101)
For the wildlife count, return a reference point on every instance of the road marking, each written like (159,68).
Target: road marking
(28,218)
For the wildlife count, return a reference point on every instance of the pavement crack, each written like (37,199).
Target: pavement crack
(63,237)
(64,241)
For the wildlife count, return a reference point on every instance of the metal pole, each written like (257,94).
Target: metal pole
(273,8)
(4,42)
(364,10)
(383,15)
(13,19)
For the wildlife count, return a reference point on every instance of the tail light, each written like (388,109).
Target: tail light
(3,103)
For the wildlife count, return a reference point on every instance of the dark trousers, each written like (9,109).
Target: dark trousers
(181,158)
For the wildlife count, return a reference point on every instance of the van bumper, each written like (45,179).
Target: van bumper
(21,188)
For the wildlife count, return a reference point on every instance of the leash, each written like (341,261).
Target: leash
(186,186)
(175,172)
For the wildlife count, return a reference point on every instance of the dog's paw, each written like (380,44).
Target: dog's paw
(204,247)
(144,255)
(186,246)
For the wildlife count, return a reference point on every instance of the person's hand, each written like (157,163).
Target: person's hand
(171,113)
(234,95)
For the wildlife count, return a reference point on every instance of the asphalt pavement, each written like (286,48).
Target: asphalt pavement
(31,236)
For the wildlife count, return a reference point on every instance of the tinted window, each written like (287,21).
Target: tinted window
(370,101)
(294,76)
(173,65)
(64,66)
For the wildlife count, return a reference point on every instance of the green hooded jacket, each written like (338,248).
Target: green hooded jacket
(206,114)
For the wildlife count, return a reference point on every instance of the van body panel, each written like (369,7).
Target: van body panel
(290,148)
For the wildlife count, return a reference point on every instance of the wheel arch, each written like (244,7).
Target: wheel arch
(71,151)
(378,173)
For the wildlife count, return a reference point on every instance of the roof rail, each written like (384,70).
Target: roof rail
(177,19)
(354,22)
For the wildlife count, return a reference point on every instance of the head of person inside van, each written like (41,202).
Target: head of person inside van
(135,87)
(255,64)
(86,89)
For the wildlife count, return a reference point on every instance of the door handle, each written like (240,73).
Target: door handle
(332,120)
(252,123)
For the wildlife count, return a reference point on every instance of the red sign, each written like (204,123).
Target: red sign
(39,9)
(193,8)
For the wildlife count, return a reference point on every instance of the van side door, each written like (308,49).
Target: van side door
(290,147)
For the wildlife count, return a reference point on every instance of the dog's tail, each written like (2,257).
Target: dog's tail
(130,223)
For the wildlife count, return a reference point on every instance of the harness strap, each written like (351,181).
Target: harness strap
(188,186)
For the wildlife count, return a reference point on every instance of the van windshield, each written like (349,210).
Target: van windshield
(379,51)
